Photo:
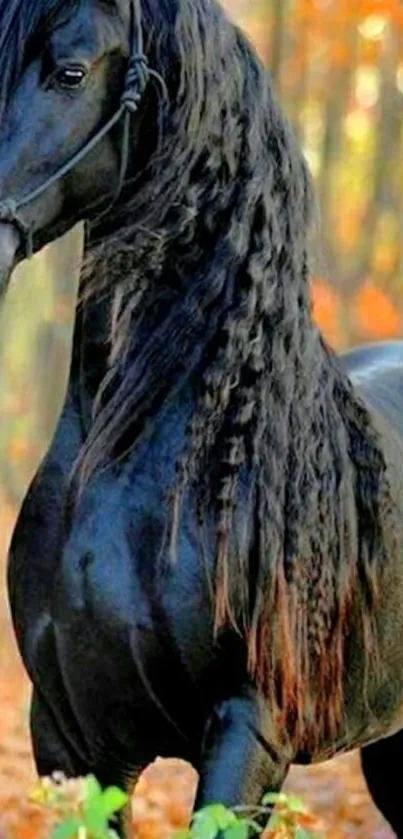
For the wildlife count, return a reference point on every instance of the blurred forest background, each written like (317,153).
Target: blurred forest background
(337,66)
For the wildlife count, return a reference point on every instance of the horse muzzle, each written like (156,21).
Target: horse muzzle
(9,243)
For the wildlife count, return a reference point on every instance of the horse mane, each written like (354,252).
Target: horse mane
(207,261)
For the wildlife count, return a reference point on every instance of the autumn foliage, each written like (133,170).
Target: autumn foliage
(338,68)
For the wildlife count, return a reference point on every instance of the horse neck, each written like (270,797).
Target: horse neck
(90,347)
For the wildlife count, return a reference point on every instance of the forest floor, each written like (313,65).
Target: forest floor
(334,792)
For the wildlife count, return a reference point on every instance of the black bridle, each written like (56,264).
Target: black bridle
(137,77)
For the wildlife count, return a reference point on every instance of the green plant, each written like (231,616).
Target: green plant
(217,819)
(289,820)
(83,811)
(82,807)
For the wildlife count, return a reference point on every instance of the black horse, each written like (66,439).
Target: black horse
(209,561)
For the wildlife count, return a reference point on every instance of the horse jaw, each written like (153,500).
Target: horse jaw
(9,242)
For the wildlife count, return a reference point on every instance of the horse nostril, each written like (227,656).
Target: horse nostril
(9,242)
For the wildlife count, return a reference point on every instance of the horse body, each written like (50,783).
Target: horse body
(208,563)
(115,574)
(118,643)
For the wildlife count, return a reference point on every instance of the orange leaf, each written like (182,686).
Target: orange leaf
(327,311)
(377,316)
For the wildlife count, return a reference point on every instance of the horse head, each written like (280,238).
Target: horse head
(73,90)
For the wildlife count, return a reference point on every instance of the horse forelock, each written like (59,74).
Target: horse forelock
(20,22)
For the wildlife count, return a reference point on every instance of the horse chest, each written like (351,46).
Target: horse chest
(101,606)
(133,634)
(115,580)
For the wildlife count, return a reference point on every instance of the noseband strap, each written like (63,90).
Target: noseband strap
(9,214)
(137,77)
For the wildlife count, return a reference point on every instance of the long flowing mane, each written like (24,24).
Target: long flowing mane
(218,270)
(207,262)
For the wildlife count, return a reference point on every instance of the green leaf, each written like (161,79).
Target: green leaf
(290,802)
(95,820)
(239,830)
(182,833)
(113,800)
(203,827)
(99,805)
(211,820)
(301,833)
(67,830)
(294,804)
(92,788)
(273,798)
(222,816)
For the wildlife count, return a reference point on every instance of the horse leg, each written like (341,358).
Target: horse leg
(53,753)
(382,766)
(238,765)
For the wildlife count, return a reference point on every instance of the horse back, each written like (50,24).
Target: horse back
(376,371)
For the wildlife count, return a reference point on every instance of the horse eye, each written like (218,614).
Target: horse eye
(70,78)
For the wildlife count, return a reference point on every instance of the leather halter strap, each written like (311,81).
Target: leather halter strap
(137,78)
